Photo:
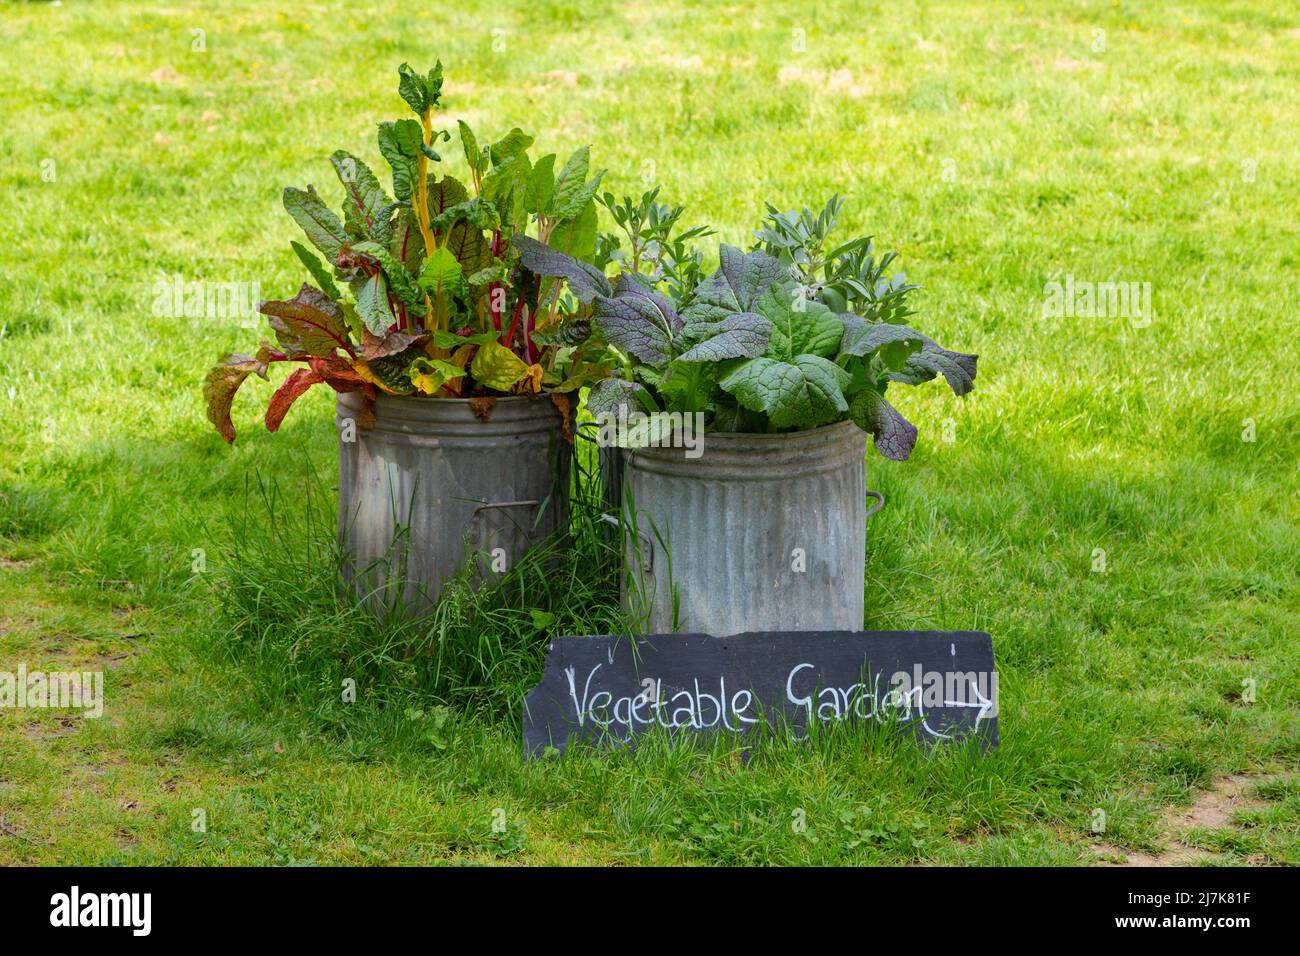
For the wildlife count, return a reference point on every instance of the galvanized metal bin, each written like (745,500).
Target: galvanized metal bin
(432,483)
(759,533)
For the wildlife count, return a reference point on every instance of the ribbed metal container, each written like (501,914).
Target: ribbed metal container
(431,480)
(760,533)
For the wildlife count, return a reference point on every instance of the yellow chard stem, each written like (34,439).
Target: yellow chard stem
(422,209)
(422,193)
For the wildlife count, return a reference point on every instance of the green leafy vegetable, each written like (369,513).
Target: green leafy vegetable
(805,392)
(795,334)
(639,321)
(317,269)
(317,221)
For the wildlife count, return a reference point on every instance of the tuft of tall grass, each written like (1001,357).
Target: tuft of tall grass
(285,612)
(25,513)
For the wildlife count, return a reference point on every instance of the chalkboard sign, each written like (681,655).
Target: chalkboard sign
(606,691)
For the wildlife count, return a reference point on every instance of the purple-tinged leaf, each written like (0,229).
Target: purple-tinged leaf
(585,280)
(638,320)
(894,436)
(742,335)
(736,286)
(957,367)
(609,396)
(373,347)
(862,338)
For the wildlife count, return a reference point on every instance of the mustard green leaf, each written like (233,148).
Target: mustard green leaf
(894,436)
(805,392)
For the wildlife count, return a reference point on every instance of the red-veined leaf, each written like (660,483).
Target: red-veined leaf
(284,397)
(220,385)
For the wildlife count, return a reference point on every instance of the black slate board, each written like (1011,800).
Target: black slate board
(606,690)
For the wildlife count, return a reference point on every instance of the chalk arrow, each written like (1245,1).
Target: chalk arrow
(984,704)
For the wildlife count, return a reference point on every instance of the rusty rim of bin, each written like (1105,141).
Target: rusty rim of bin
(759,457)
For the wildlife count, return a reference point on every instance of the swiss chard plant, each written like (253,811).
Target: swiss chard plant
(442,287)
(794,334)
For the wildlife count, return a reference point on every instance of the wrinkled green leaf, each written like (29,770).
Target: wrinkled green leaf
(511,187)
(513,144)
(803,393)
(366,208)
(445,193)
(407,245)
(464,241)
(544,181)
(736,285)
(496,272)
(799,326)
(468,142)
(608,397)
(421,93)
(863,339)
(743,335)
(371,294)
(690,386)
(399,280)
(577,237)
(476,212)
(442,274)
(958,368)
(571,190)
(400,143)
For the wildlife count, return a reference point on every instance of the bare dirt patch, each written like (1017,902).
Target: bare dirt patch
(1211,810)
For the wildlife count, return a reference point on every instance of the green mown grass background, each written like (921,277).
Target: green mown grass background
(997,146)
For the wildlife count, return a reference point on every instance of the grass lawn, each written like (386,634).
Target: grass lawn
(1116,503)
